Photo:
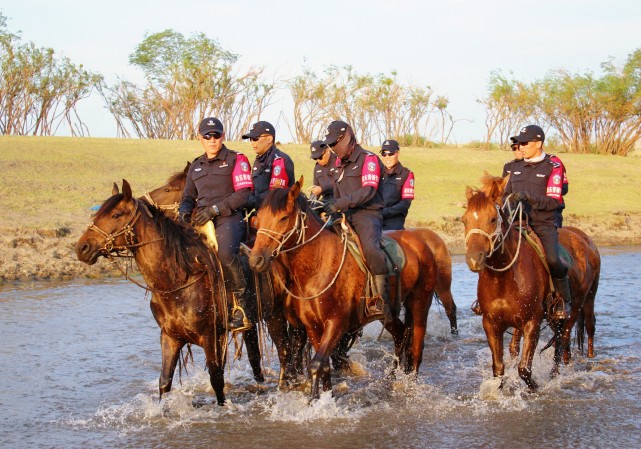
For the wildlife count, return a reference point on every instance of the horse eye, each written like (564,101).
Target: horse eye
(166,190)
(116,215)
(493,220)
(284,219)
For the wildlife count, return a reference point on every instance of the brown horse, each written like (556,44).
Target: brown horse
(288,340)
(187,298)
(327,286)
(443,273)
(513,281)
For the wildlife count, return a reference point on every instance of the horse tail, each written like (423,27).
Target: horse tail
(580,330)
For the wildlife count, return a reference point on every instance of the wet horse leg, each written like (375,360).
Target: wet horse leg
(319,368)
(216,366)
(253,352)
(530,340)
(446,298)
(170,352)
(515,343)
(277,327)
(589,317)
(416,313)
(494,337)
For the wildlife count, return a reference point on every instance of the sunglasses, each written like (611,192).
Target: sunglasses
(255,139)
(524,144)
(388,154)
(210,136)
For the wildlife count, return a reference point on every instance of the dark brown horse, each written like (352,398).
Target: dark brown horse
(326,285)
(513,281)
(288,340)
(188,300)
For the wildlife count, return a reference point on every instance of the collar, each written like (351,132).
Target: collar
(534,160)
(396,170)
(265,156)
(221,156)
(354,156)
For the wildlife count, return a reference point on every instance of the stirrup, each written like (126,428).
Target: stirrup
(374,308)
(239,324)
(557,309)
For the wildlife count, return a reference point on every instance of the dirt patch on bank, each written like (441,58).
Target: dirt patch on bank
(48,254)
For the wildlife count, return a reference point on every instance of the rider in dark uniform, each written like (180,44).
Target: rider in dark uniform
(398,187)
(323,182)
(357,193)
(518,155)
(537,181)
(272,167)
(217,186)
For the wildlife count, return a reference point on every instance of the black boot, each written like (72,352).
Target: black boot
(562,308)
(380,282)
(238,320)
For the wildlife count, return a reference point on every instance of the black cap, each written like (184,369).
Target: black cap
(531,133)
(334,132)
(317,151)
(390,146)
(513,140)
(210,125)
(260,128)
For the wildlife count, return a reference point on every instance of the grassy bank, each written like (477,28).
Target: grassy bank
(53,181)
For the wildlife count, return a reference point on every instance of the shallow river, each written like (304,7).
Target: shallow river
(79,364)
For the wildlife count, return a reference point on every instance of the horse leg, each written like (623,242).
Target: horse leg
(515,343)
(277,327)
(216,366)
(340,359)
(416,313)
(494,337)
(253,352)
(170,352)
(590,318)
(530,340)
(446,298)
(319,366)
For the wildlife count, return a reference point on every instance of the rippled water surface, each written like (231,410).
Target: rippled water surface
(80,365)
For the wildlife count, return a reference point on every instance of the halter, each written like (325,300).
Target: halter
(300,227)
(499,237)
(173,207)
(127,230)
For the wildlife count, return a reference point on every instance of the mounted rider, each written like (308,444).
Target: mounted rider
(218,185)
(398,187)
(358,194)
(323,179)
(537,181)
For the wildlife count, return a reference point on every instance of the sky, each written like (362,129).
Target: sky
(450,45)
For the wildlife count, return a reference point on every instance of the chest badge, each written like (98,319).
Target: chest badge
(198,169)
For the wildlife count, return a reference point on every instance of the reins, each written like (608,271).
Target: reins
(173,207)
(300,227)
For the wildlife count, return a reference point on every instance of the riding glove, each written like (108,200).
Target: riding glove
(204,215)
(330,207)
(185,217)
(521,196)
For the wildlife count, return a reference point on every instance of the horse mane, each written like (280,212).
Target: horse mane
(479,200)
(491,186)
(181,243)
(177,178)
(277,200)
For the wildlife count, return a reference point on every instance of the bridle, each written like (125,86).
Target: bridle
(497,238)
(299,228)
(163,207)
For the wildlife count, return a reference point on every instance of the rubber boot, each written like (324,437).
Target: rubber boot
(562,309)
(238,320)
(380,282)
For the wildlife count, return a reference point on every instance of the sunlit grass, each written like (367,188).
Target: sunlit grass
(54,181)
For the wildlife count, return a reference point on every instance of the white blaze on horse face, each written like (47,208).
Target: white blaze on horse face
(476,216)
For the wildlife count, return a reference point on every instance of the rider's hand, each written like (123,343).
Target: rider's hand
(521,196)
(330,207)
(204,215)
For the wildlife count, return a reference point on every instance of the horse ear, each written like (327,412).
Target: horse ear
(187,167)
(504,182)
(301,181)
(295,190)
(114,190)
(126,190)
(469,192)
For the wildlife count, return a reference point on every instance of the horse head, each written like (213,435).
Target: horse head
(278,219)
(482,220)
(111,227)
(167,198)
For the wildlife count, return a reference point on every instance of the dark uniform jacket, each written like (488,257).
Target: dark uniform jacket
(273,169)
(507,168)
(324,177)
(223,181)
(543,182)
(357,182)
(398,193)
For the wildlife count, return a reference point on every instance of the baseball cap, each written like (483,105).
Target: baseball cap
(334,132)
(390,146)
(317,151)
(210,125)
(530,133)
(260,128)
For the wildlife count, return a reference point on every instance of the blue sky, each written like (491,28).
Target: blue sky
(451,46)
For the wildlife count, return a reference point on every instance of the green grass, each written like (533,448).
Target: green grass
(53,181)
